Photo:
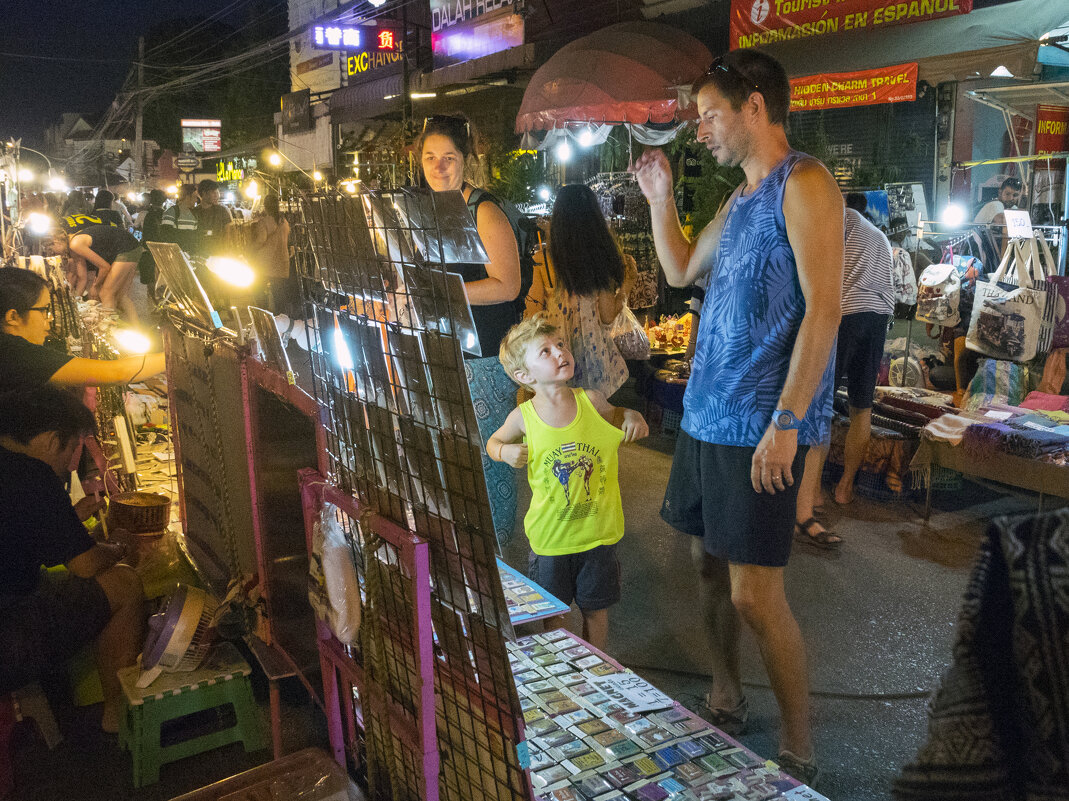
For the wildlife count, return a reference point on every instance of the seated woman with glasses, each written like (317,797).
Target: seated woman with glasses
(25,362)
(493,291)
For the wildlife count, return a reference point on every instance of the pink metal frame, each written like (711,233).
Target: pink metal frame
(418,734)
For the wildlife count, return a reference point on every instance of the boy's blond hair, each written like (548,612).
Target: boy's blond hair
(513,351)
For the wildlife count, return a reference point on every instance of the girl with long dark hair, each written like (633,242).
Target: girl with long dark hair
(592,281)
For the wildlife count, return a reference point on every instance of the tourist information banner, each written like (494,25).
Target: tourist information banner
(762,22)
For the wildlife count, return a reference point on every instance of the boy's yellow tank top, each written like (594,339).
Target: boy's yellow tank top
(575,487)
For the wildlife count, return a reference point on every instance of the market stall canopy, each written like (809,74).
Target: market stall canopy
(958,48)
(625,73)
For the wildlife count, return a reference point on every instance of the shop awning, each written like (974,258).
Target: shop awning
(626,73)
(1022,99)
(960,48)
(366,100)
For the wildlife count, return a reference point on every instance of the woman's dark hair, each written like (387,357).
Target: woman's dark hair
(75,203)
(740,73)
(585,255)
(455,126)
(19,290)
(104,199)
(42,409)
(271,208)
(157,197)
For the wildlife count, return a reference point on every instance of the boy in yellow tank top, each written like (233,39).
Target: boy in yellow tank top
(568,440)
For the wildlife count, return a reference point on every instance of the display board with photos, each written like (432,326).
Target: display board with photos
(390,327)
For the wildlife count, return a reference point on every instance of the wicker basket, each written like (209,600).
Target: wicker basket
(139,512)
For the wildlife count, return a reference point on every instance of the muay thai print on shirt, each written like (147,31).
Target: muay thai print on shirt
(575,488)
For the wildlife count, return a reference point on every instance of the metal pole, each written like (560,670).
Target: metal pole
(139,144)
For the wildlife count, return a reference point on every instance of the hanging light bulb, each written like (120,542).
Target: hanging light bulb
(563,151)
(586,137)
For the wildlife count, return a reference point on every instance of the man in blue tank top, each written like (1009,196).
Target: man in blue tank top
(761,383)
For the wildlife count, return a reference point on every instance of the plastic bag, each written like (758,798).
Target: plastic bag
(334,590)
(629,336)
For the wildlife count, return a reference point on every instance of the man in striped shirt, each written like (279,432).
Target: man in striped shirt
(868,301)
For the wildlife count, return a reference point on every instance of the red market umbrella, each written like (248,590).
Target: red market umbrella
(625,73)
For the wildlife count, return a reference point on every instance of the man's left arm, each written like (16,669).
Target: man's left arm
(813,211)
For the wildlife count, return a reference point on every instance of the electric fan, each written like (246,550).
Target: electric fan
(179,635)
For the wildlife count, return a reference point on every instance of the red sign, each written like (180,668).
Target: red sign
(845,89)
(1052,129)
(762,22)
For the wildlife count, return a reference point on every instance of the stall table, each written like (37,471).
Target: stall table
(1026,474)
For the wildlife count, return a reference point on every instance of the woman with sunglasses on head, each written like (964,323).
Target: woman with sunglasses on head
(25,362)
(493,291)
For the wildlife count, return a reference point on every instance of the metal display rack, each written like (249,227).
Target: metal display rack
(404,466)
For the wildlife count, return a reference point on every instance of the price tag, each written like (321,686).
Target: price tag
(997,415)
(804,793)
(1018,223)
(631,691)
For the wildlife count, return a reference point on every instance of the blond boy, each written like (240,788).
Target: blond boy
(568,440)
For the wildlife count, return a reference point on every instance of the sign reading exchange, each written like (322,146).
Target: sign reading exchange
(761,22)
(864,88)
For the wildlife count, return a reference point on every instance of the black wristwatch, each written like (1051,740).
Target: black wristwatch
(785,420)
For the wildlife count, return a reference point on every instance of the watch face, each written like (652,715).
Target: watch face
(783,420)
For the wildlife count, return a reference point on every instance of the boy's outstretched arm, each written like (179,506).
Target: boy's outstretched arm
(629,421)
(506,444)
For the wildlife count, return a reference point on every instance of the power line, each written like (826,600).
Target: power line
(33,57)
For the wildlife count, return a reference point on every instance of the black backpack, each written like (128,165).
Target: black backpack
(526,231)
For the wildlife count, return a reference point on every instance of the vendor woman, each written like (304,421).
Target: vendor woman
(492,289)
(25,319)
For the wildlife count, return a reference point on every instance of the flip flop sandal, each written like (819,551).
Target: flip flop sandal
(732,722)
(807,771)
(818,539)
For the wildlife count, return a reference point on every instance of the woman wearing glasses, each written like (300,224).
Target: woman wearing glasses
(25,362)
(493,289)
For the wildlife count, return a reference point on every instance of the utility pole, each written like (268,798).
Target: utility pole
(139,144)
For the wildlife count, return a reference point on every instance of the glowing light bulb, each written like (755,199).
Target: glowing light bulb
(231,270)
(39,224)
(131,341)
(563,152)
(953,215)
(252,190)
(586,137)
(317,176)
(26,175)
(544,193)
(275,160)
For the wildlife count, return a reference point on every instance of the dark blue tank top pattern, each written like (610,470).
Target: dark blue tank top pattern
(750,319)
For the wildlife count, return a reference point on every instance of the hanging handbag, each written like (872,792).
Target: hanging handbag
(905,280)
(1009,317)
(938,295)
(1059,300)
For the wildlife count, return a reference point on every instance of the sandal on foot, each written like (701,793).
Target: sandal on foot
(827,540)
(804,770)
(732,722)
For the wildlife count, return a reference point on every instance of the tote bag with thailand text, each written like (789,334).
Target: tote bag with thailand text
(1011,315)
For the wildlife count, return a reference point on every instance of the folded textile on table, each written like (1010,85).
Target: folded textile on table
(998,725)
(948,428)
(930,411)
(1046,402)
(918,394)
(982,439)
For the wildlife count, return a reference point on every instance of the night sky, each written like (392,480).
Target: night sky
(33,93)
